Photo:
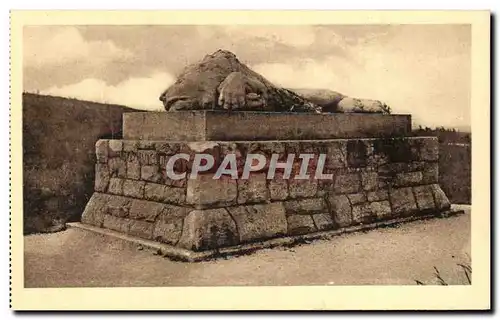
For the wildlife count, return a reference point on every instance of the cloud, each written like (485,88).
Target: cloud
(295,36)
(44,46)
(435,91)
(139,93)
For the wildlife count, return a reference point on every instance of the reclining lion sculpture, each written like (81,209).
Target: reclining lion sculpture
(221,81)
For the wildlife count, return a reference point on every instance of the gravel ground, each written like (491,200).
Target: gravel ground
(396,255)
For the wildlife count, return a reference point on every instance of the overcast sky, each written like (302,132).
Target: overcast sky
(423,70)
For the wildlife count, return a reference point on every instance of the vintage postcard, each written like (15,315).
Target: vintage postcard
(250,160)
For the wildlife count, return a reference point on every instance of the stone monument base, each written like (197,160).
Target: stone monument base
(374,181)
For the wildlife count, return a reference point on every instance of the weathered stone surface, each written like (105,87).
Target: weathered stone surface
(442,202)
(147,157)
(424,197)
(336,154)
(362,213)
(357,198)
(130,145)
(134,189)
(382,209)
(369,180)
(356,153)
(244,126)
(167,148)
(347,183)
(95,209)
(278,187)
(145,210)
(115,148)
(378,195)
(101,151)
(115,223)
(167,232)
(429,149)
(150,173)
(402,201)
(208,229)
(204,192)
(133,167)
(305,206)
(163,193)
(300,224)
(118,206)
(302,188)
(405,179)
(430,174)
(323,221)
(253,189)
(259,221)
(142,229)
(101,177)
(117,167)
(416,166)
(341,210)
(145,145)
(115,186)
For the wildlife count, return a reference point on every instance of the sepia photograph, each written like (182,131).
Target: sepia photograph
(267,155)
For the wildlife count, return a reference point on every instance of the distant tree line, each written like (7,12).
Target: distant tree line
(444,135)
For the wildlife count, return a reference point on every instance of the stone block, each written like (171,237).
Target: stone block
(133,167)
(357,198)
(424,197)
(208,229)
(356,153)
(116,223)
(167,232)
(302,188)
(147,157)
(150,173)
(300,224)
(378,195)
(142,229)
(402,201)
(115,186)
(362,213)
(145,210)
(163,193)
(253,190)
(204,192)
(117,167)
(167,148)
(213,125)
(115,148)
(134,189)
(118,206)
(101,177)
(441,200)
(278,187)
(382,209)
(95,209)
(130,146)
(369,180)
(429,149)
(347,183)
(430,173)
(405,179)
(101,151)
(341,210)
(305,206)
(336,154)
(260,221)
(323,221)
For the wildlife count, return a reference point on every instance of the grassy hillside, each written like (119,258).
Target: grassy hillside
(58,145)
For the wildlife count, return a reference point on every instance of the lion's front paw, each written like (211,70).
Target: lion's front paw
(239,92)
